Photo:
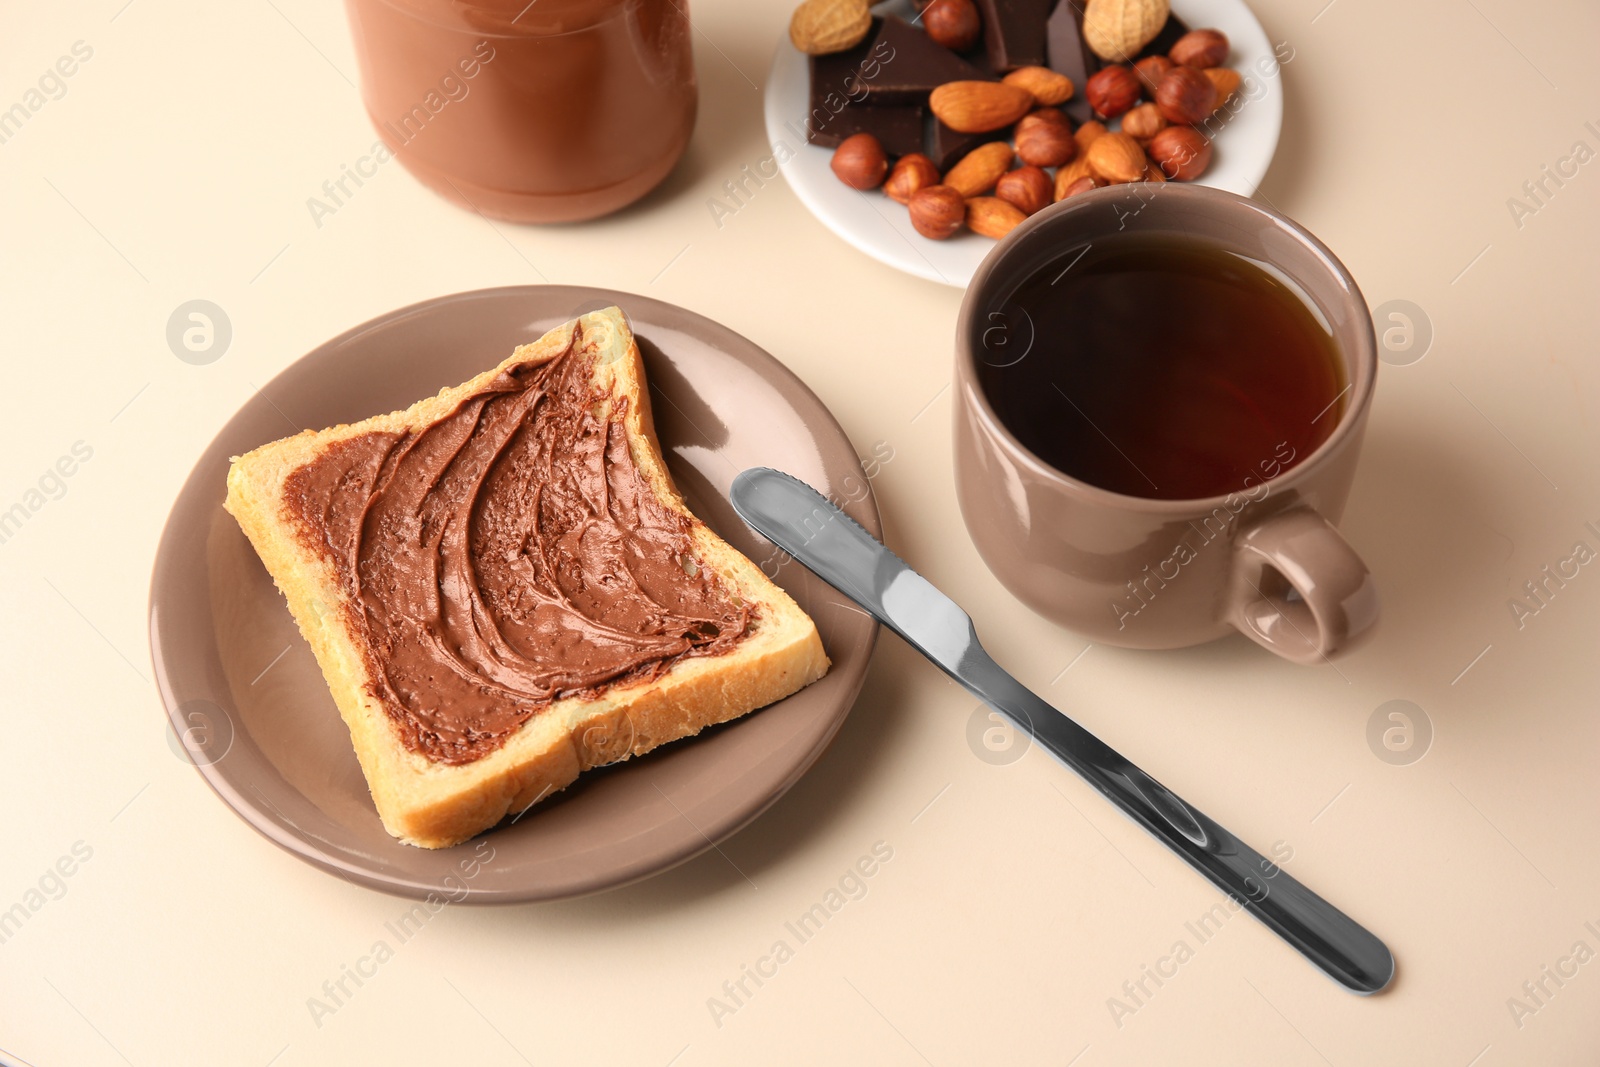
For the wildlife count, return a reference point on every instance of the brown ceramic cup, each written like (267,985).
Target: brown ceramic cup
(1149,573)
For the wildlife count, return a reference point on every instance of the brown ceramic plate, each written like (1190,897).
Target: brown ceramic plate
(249,706)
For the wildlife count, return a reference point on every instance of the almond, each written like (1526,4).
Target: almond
(1117,158)
(1088,133)
(1047,87)
(980,168)
(819,27)
(992,217)
(978,107)
(1119,29)
(1226,79)
(1067,175)
(1086,184)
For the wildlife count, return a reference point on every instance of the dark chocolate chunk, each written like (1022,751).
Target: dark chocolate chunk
(1162,43)
(898,127)
(904,65)
(946,146)
(1013,32)
(835,78)
(1069,55)
(979,58)
(839,104)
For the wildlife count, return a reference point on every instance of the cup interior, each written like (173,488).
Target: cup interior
(1218,219)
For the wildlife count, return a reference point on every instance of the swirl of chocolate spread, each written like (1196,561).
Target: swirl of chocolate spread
(507,555)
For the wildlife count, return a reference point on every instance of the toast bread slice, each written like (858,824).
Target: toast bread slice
(436,804)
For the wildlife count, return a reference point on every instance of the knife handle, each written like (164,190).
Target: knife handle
(1342,948)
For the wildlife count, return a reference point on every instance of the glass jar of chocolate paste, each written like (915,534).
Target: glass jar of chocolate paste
(541,111)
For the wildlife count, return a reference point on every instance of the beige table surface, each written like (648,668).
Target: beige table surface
(1016,904)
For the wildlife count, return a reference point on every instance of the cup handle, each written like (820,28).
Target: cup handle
(1299,589)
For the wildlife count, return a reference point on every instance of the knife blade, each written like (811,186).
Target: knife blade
(809,527)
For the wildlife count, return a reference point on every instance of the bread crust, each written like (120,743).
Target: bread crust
(435,805)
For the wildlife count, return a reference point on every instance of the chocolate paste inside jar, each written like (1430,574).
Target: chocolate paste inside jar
(507,555)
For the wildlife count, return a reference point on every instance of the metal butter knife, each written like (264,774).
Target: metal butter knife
(806,525)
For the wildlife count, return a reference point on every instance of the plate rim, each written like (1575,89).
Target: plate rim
(230,792)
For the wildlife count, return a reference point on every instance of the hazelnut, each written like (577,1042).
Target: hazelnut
(1049,114)
(1200,49)
(937,211)
(1043,141)
(1085,184)
(1111,91)
(952,23)
(1150,70)
(860,163)
(1186,96)
(1143,122)
(1181,152)
(910,173)
(1052,116)
(1028,188)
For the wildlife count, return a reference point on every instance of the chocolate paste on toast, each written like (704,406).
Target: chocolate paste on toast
(507,555)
